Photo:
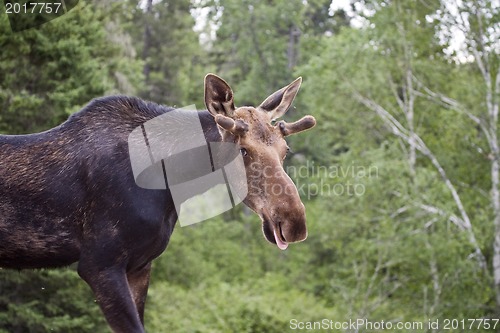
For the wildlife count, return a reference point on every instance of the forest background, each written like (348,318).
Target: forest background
(400,177)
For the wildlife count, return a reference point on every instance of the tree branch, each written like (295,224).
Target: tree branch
(413,139)
(452,104)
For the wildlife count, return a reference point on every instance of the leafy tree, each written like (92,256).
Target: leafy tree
(173,59)
(52,70)
(391,67)
(278,36)
(43,301)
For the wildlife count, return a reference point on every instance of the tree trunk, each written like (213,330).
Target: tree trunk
(415,140)
(492,98)
(495,197)
(147,39)
(293,49)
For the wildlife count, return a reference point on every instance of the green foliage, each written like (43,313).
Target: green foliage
(401,260)
(172,53)
(219,277)
(52,70)
(277,36)
(47,301)
(265,305)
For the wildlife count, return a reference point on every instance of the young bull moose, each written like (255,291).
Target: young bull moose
(68,194)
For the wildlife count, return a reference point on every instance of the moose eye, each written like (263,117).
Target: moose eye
(243,152)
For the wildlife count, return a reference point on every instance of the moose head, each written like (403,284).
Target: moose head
(271,192)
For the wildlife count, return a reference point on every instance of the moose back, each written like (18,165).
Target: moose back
(68,194)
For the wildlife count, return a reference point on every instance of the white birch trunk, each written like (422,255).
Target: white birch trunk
(415,140)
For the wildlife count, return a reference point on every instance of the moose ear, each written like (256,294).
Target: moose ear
(279,102)
(218,96)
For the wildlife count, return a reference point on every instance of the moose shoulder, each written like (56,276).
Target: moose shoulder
(69,195)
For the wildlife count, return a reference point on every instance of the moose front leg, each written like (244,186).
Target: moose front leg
(112,292)
(138,282)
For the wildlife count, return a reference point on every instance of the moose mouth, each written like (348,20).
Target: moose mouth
(273,233)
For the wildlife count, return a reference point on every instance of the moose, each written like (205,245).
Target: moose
(68,194)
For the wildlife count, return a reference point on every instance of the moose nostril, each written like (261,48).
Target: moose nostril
(294,230)
(281,233)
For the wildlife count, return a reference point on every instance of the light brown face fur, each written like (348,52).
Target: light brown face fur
(271,192)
